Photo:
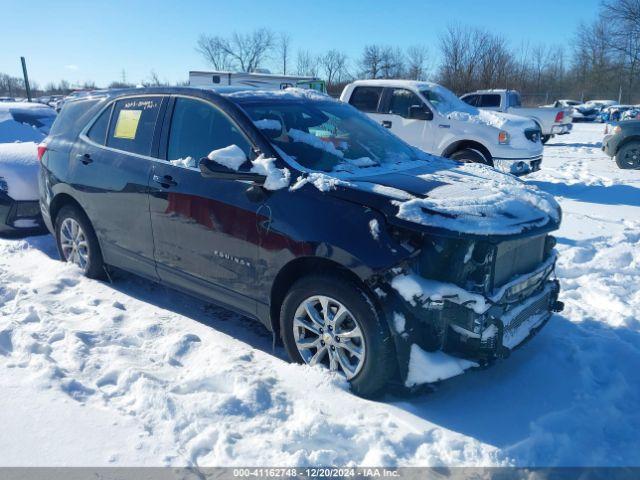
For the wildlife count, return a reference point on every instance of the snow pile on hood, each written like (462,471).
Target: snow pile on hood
(485,117)
(19,168)
(479,200)
(14,130)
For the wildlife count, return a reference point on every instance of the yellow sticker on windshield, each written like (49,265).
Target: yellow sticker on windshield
(127,124)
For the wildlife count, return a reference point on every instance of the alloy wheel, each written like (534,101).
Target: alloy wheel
(325,332)
(74,244)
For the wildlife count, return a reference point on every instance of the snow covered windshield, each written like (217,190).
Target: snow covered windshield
(446,102)
(328,136)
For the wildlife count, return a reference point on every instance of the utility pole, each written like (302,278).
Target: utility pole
(26,78)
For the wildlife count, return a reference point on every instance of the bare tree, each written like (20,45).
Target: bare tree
(245,52)
(623,21)
(334,66)
(417,56)
(307,64)
(370,61)
(284,43)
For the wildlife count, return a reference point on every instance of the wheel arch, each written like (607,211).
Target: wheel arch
(626,141)
(299,268)
(59,201)
(472,144)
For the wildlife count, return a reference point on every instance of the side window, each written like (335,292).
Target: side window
(133,123)
(401,100)
(197,129)
(366,98)
(98,131)
(489,101)
(514,100)
(470,99)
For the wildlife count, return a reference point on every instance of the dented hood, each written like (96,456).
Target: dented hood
(467,199)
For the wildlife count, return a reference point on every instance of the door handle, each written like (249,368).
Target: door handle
(386,123)
(166,181)
(443,125)
(85,159)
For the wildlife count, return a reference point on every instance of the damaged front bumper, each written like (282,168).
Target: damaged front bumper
(444,318)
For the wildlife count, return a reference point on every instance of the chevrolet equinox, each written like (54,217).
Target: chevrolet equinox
(360,252)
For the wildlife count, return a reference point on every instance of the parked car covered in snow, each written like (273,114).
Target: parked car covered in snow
(361,252)
(613,113)
(551,121)
(623,144)
(589,111)
(22,126)
(433,119)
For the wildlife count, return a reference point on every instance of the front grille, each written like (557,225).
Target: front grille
(517,257)
(533,134)
(539,306)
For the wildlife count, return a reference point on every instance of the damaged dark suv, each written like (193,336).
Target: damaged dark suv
(360,252)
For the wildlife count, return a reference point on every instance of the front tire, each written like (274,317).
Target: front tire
(328,320)
(469,155)
(545,139)
(77,242)
(628,155)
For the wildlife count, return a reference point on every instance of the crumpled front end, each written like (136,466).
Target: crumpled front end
(463,303)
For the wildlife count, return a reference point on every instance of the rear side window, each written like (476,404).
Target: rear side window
(489,101)
(133,123)
(471,100)
(366,98)
(98,131)
(73,117)
(401,100)
(197,129)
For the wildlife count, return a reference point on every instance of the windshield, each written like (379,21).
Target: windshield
(328,136)
(446,102)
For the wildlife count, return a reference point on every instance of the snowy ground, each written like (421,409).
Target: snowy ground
(133,374)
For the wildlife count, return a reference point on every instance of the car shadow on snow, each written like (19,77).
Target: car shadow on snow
(553,383)
(606,195)
(221,319)
(575,145)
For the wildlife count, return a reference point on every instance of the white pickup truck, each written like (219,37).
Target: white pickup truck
(552,121)
(434,119)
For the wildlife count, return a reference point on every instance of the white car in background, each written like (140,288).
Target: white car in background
(434,119)
(551,121)
(22,127)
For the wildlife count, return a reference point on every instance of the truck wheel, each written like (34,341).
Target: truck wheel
(545,138)
(331,321)
(629,155)
(469,155)
(77,242)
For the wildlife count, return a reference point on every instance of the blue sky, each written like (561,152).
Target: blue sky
(78,40)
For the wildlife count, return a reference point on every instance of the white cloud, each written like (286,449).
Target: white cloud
(72,67)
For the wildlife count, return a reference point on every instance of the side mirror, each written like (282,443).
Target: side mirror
(420,112)
(211,169)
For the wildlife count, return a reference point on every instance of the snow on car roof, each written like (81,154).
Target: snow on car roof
(418,84)
(290,94)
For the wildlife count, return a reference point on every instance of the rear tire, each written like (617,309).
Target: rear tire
(377,363)
(77,241)
(469,155)
(628,155)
